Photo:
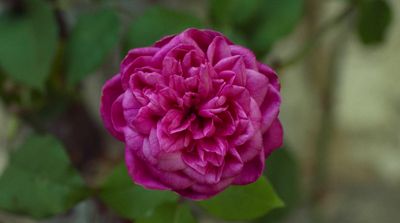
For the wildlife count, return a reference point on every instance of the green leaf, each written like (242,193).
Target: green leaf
(262,22)
(156,23)
(28,44)
(92,38)
(129,200)
(282,171)
(224,13)
(40,181)
(171,213)
(244,202)
(277,19)
(374,18)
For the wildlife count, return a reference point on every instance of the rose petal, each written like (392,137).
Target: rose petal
(251,148)
(251,171)
(272,76)
(117,114)
(204,191)
(257,84)
(140,173)
(273,138)
(137,52)
(248,57)
(218,50)
(112,89)
(233,164)
(270,108)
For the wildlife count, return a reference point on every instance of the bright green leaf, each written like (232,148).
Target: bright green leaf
(156,23)
(92,38)
(28,44)
(129,200)
(171,213)
(40,181)
(374,17)
(244,202)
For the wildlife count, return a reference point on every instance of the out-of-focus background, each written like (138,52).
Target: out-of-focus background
(339,64)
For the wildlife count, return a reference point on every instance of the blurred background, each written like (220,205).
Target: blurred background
(338,61)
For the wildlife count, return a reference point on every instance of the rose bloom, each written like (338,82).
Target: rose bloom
(197,113)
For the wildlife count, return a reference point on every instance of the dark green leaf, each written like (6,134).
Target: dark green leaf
(171,213)
(94,35)
(244,202)
(278,18)
(156,23)
(227,12)
(40,181)
(262,22)
(28,44)
(282,171)
(129,200)
(374,17)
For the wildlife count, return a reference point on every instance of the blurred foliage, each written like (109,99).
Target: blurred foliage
(374,17)
(40,181)
(45,55)
(91,40)
(162,21)
(283,171)
(129,200)
(260,22)
(170,212)
(28,43)
(244,202)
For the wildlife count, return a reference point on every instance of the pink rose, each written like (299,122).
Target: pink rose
(196,112)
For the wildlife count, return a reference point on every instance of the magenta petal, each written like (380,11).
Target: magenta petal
(137,52)
(140,172)
(164,41)
(257,84)
(171,161)
(171,66)
(233,164)
(248,56)
(270,108)
(218,50)
(144,120)
(190,193)
(202,38)
(272,76)
(197,113)
(251,148)
(131,107)
(169,142)
(117,114)
(130,69)
(163,161)
(133,140)
(273,138)
(110,92)
(204,191)
(255,114)
(251,171)
(205,82)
